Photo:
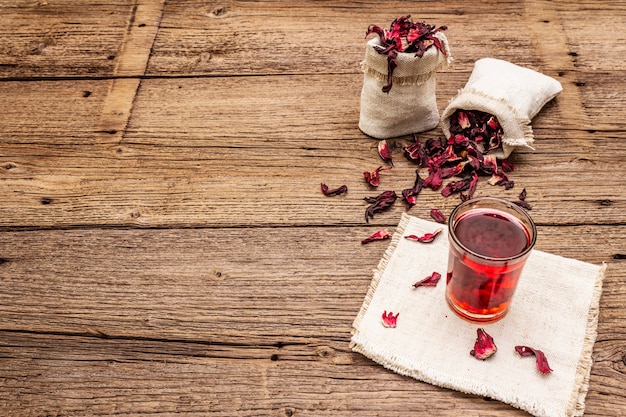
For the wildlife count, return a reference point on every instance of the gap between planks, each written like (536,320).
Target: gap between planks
(132,61)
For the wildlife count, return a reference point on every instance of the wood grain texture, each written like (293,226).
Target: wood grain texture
(229,313)
(164,245)
(231,151)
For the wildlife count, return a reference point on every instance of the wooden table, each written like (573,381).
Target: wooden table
(164,244)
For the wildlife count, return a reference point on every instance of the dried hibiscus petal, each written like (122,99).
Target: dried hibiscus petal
(434,179)
(522,200)
(438,216)
(416,152)
(453,171)
(542,361)
(484,346)
(373,178)
(339,190)
(500,178)
(523,204)
(429,281)
(379,235)
(489,164)
(389,320)
(384,152)
(404,36)
(379,203)
(522,195)
(426,238)
(460,185)
(507,166)
(463,120)
(410,194)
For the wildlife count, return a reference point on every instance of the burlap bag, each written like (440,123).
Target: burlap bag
(410,106)
(511,93)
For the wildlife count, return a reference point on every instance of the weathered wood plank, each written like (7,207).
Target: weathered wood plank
(211,284)
(61,38)
(78,38)
(196,38)
(131,62)
(159,321)
(93,376)
(213,154)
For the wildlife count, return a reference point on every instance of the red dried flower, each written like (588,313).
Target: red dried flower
(415,152)
(427,238)
(389,320)
(500,178)
(489,164)
(522,195)
(438,216)
(429,281)
(384,152)
(373,178)
(522,200)
(434,179)
(379,203)
(507,166)
(379,235)
(404,36)
(468,183)
(541,361)
(463,120)
(410,194)
(484,346)
(336,191)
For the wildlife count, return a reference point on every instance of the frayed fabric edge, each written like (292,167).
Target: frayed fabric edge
(583,371)
(382,264)
(517,129)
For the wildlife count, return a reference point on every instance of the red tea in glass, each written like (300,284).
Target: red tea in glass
(490,240)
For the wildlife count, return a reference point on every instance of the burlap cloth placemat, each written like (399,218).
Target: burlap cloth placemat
(555,309)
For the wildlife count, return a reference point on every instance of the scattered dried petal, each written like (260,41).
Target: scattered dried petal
(484,346)
(522,195)
(500,178)
(461,185)
(507,166)
(438,216)
(389,320)
(427,238)
(523,204)
(464,122)
(336,191)
(373,178)
(429,281)
(542,361)
(379,235)
(379,203)
(434,179)
(489,165)
(416,152)
(410,194)
(384,152)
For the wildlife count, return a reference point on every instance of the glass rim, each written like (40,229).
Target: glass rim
(509,205)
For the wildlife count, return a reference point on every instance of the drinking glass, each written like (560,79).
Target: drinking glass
(490,240)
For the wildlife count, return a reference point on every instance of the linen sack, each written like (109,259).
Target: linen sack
(512,93)
(410,106)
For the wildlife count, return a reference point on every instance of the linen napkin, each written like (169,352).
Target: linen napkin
(555,309)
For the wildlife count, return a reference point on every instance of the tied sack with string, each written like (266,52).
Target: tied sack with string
(511,93)
(410,106)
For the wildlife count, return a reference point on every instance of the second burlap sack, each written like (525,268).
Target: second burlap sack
(512,93)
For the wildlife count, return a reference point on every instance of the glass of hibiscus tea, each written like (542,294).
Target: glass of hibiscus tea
(490,240)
